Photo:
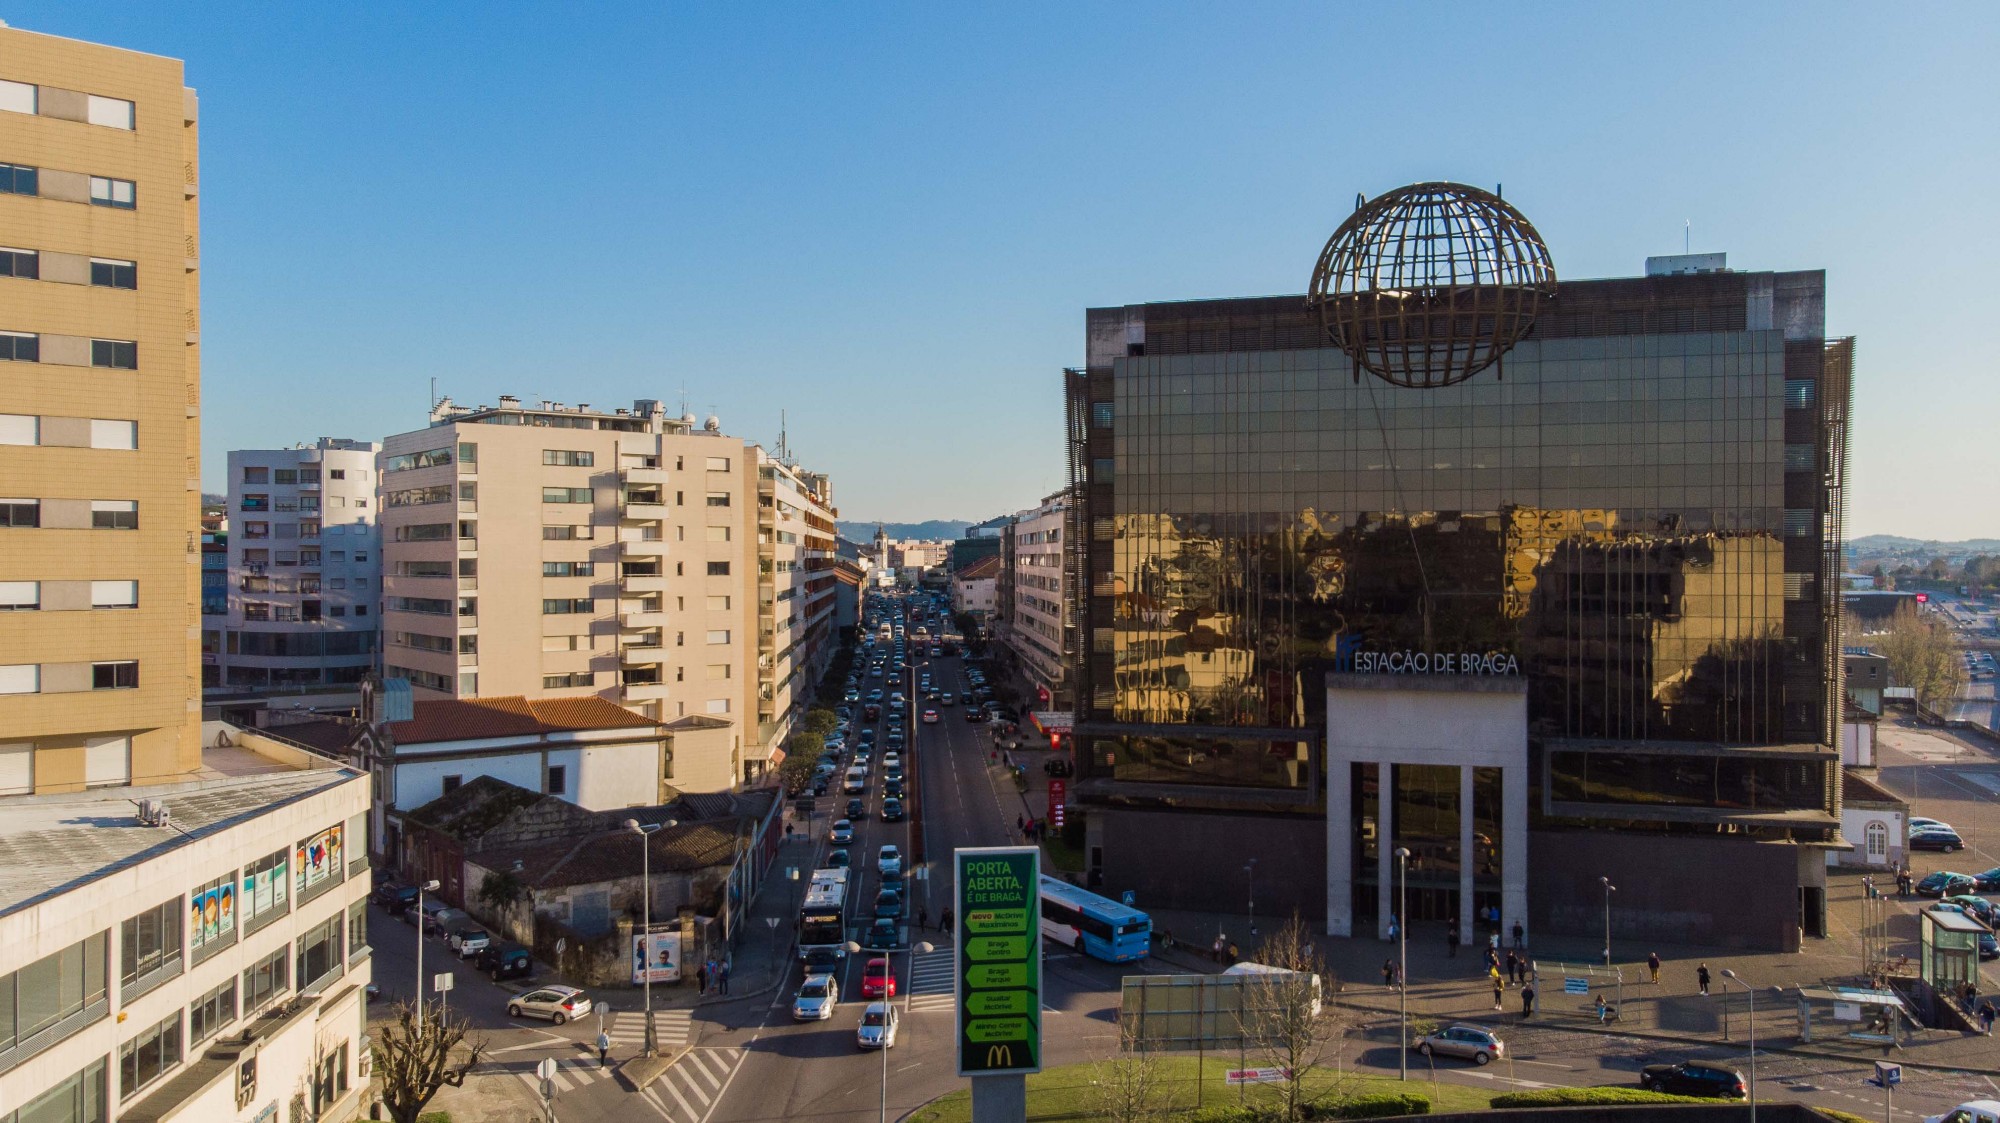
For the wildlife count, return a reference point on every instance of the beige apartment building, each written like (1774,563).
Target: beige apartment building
(99,487)
(1031,619)
(547,551)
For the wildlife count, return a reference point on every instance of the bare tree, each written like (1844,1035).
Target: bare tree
(1131,1086)
(414,1061)
(1924,656)
(1288,1026)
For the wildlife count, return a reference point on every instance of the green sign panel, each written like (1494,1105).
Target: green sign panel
(999,948)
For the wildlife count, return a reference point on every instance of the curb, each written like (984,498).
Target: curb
(1649,1035)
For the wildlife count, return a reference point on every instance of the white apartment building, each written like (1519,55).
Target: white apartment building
(551,551)
(974,589)
(305,567)
(207,969)
(1034,624)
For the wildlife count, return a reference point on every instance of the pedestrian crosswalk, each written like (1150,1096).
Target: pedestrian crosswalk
(932,982)
(627,1030)
(572,1073)
(689,1090)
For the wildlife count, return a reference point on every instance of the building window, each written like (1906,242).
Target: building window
(718,499)
(718,604)
(568,606)
(117,354)
(423,532)
(115,514)
(20,596)
(79,1099)
(1878,841)
(20,512)
(106,433)
(122,675)
(211,1012)
(114,594)
(20,678)
(428,458)
(18,97)
(20,429)
(418,496)
(568,569)
(265,981)
(558,779)
(256,474)
(568,458)
(336,473)
(263,896)
(17,180)
(111,273)
(567,681)
(320,952)
(718,635)
(149,1056)
(25,264)
(565,495)
(111,112)
(718,569)
(452,783)
(107,192)
(718,705)
(718,670)
(1100,415)
(256,501)
(149,949)
(20,347)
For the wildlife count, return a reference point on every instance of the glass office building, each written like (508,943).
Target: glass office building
(1623,540)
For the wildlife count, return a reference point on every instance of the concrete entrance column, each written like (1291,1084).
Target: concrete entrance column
(1385,848)
(1466,855)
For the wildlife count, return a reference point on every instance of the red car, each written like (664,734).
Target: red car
(877,980)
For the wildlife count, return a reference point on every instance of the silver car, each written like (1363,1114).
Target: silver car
(817,997)
(878,1026)
(1472,1043)
(557,1004)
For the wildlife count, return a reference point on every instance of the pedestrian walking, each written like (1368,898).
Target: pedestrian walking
(1602,1011)
(1527,1002)
(1020,824)
(1233,955)
(725,976)
(1493,942)
(1498,987)
(603,1049)
(1451,941)
(944,922)
(923,918)
(1493,960)
(1519,934)
(1215,949)
(1987,1015)
(1388,972)
(701,979)
(1701,977)
(1653,965)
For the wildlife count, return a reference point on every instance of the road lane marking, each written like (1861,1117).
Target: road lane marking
(717,1102)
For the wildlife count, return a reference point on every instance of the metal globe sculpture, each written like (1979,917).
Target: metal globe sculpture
(1430,284)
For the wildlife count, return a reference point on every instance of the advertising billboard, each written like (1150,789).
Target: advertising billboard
(317,858)
(999,950)
(657,954)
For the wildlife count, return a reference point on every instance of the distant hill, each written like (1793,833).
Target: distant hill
(864,532)
(1877,545)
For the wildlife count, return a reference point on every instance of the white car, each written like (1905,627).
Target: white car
(930,717)
(556,1004)
(817,997)
(890,859)
(1919,823)
(878,1026)
(843,833)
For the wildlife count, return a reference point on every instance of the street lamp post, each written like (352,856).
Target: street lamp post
(1403,960)
(1250,872)
(889,1004)
(645,831)
(1608,890)
(425,887)
(1730,976)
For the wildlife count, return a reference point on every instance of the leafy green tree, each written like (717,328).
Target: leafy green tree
(801,758)
(1923,655)
(501,891)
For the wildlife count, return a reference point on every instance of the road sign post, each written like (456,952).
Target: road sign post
(546,1071)
(996,894)
(442,984)
(1888,1074)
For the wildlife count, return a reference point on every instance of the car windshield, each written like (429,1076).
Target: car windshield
(814,988)
(872,1018)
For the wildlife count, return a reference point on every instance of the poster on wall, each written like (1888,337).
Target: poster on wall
(212,913)
(657,954)
(317,858)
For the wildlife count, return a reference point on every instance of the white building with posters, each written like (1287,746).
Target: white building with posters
(193,951)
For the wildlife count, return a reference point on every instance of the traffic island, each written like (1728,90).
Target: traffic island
(637,1073)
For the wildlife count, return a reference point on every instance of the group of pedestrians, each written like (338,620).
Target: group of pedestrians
(1029,829)
(713,972)
(945,918)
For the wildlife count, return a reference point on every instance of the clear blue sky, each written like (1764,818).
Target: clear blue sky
(889,219)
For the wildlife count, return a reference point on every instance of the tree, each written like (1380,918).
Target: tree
(414,1062)
(819,721)
(1131,1086)
(801,759)
(1923,655)
(1288,1025)
(501,891)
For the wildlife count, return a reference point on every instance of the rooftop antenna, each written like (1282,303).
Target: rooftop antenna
(1687,236)
(684,399)
(784,454)
(434,392)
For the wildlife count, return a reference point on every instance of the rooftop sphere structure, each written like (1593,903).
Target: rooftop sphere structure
(1430,284)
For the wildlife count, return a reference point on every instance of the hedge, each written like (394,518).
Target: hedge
(1569,1097)
(1222,1115)
(1381,1105)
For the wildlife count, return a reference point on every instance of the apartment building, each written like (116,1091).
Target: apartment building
(305,566)
(1032,622)
(554,551)
(99,488)
(194,950)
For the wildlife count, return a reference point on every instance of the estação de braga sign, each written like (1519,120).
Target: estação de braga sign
(999,911)
(1350,658)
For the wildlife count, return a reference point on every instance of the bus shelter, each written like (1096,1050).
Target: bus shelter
(1950,955)
(1855,1013)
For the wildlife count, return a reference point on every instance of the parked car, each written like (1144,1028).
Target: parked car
(1473,1043)
(444,920)
(1979,908)
(1918,823)
(432,907)
(1942,839)
(817,997)
(878,979)
(395,897)
(1692,1079)
(553,1004)
(1945,883)
(1988,881)
(468,939)
(878,1026)
(505,961)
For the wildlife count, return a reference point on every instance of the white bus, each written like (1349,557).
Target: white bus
(823,916)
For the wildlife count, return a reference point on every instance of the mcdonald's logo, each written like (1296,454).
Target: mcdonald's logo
(999,1056)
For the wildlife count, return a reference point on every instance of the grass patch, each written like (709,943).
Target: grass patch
(1570,1097)
(1063,1094)
(1061,855)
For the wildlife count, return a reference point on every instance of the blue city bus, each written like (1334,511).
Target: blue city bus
(1094,925)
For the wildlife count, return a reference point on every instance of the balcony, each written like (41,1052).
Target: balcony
(652,651)
(643,512)
(643,547)
(631,583)
(645,692)
(656,477)
(640,620)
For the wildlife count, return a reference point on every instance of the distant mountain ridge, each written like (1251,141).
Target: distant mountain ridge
(857,530)
(1896,543)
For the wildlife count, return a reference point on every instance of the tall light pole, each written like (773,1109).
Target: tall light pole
(889,1003)
(645,831)
(1403,961)
(1608,890)
(1250,872)
(1730,977)
(425,887)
